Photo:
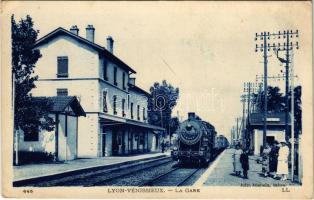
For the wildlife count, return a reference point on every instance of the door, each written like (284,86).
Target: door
(103,141)
(115,145)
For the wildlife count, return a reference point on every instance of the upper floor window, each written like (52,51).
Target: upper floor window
(138,112)
(62,67)
(123,107)
(115,76)
(104,101)
(105,66)
(132,110)
(144,114)
(115,104)
(62,92)
(123,81)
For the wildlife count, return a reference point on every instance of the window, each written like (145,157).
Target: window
(104,101)
(114,104)
(123,81)
(123,107)
(131,110)
(62,67)
(144,114)
(115,76)
(62,92)
(105,75)
(31,135)
(138,112)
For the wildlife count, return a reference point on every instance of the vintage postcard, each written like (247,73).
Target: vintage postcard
(155,100)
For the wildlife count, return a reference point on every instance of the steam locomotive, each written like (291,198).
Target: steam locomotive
(196,142)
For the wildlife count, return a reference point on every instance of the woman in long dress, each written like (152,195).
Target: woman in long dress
(273,159)
(265,163)
(236,160)
(282,168)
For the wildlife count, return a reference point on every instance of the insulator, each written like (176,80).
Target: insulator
(290,31)
(279,32)
(261,50)
(291,36)
(262,45)
(291,43)
(268,33)
(268,49)
(255,38)
(284,32)
(255,50)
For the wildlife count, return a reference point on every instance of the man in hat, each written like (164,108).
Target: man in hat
(282,168)
(273,158)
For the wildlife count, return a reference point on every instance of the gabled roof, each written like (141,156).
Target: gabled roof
(60,103)
(138,89)
(106,53)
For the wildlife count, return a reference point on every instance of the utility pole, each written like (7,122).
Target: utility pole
(265,47)
(292,119)
(286,46)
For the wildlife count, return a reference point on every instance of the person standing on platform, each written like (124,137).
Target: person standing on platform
(282,169)
(266,160)
(236,160)
(244,159)
(273,159)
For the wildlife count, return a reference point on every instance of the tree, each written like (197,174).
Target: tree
(164,99)
(276,103)
(275,100)
(29,116)
(297,109)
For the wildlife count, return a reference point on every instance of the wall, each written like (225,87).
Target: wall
(45,143)
(258,138)
(82,58)
(88,130)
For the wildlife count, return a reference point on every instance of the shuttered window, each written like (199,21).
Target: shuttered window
(105,66)
(62,92)
(115,76)
(132,110)
(104,100)
(138,112)
(63,67)
(114,104)
(123,107)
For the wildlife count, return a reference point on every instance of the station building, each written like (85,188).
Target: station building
(116,108)
(275,130)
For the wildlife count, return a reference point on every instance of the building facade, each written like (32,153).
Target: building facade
(275,130)
(116,109)
(62,142)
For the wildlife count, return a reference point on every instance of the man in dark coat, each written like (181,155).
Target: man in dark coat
(244,159)
(273,158)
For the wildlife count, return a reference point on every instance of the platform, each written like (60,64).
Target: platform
(31,171)
(220,173)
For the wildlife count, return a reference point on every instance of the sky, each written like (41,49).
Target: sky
(206,49)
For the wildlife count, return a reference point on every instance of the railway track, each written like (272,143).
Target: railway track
(99,177)
(175,177)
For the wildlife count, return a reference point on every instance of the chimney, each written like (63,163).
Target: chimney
(74,30)
(110,44)
(132,81)
(90,33)
(191,115)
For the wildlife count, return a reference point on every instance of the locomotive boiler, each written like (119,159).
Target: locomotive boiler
(195,141)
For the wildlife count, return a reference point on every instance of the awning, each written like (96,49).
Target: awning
(118,121)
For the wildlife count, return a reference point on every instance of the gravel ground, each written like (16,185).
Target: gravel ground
(139,177)
(88,178)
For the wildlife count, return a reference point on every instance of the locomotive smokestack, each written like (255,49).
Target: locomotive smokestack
(191,115)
